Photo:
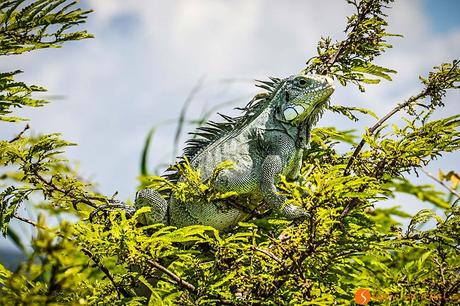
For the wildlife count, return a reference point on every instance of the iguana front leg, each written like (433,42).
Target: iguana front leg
(271,168)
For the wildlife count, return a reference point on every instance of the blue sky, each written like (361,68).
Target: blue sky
(444,15)
(148,55)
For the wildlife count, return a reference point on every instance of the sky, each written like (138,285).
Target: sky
(147,56)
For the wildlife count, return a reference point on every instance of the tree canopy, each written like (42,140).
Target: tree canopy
(108,258)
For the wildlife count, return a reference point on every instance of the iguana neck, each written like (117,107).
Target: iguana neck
(299,133)
(303,135)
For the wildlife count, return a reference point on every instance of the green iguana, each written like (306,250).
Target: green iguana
(266,141)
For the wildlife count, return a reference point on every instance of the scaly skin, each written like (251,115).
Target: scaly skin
(268,140)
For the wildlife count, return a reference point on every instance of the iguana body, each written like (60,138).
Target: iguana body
(268,140)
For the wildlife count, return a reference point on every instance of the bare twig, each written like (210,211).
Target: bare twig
(20,134)
(39,226)
(451,190)
(25,220)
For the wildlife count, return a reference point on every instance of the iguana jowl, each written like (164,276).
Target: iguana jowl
(266,141)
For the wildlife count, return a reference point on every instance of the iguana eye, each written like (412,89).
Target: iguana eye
(302,82)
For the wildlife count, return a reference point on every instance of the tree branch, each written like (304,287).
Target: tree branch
(345,43)
(55,188)
(20,134)
(452,191)
(269,254)
(25,220)
(379,123)
(182,283)
(112,204)
(120,289)
(179,281)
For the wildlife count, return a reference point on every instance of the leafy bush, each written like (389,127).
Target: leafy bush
(108,258)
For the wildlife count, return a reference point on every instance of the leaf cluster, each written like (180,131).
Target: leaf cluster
(29,26)
(14,94)
(40,24)
(350,60)
(190,187)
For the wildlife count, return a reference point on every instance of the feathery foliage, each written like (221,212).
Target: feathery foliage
(39,24)
(350,60)
(29,26)
(108,258)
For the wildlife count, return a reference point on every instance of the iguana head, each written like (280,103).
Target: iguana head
(302,97)
(298,99)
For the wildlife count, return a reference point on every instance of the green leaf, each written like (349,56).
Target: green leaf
(14,237)
(375,70)
(145,153)
(423,192)
(154,299)
(348,111)
(40,24)
(422,259)
(420,218)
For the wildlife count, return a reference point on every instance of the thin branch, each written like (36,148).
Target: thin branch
(55,188)
(115,204)
(179,281)
(39,226)
(344,44)
(268,254)
(25,220)
(346,209)
(370,132)
(20,134)
(120,289)
(451,190)
(281,262)
(182,283)
(379,123)
(441,270)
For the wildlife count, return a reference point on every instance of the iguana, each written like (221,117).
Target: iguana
(266,141)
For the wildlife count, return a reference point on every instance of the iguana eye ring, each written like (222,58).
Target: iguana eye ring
(303,82)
